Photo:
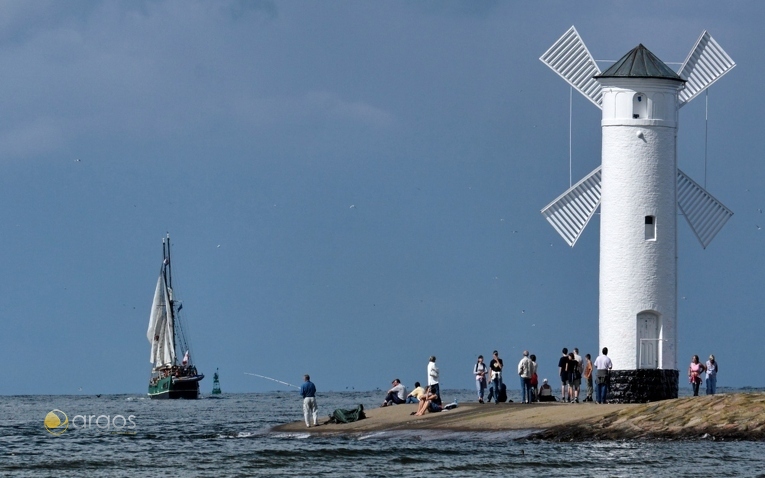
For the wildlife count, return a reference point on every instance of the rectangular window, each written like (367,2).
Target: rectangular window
(650,228)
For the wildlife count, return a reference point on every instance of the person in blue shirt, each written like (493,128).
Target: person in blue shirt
(308,392)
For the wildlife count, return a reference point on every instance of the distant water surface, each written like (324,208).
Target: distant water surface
(230,436)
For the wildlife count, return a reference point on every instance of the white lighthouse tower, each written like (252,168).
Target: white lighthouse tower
(639,190)
(638,212)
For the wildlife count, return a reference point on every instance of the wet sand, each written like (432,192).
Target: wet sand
(738,416)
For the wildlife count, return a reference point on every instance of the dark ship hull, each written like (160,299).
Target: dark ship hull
(173,387)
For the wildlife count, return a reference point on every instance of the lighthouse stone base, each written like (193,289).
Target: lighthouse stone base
(641,386)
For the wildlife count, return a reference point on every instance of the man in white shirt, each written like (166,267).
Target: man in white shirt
(603,365)
(433,378)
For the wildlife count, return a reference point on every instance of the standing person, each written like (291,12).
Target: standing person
(534,378)
(577,374)
(694,374)
(575,377)
(396,395)
(479,371)
(603,365)
(588,377)
(496,376)
(433,378)
(525,369)
(571,367)
(711,375)
(564,377)
(308,392)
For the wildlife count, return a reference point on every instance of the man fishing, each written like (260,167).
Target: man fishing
(308,392)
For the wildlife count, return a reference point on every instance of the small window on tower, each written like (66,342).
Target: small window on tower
(650,228)
(639,106)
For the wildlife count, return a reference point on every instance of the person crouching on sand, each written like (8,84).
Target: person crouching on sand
(546,392)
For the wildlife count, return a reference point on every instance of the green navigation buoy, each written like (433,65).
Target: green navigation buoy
(216,383)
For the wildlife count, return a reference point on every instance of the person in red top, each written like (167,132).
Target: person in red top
(694,374)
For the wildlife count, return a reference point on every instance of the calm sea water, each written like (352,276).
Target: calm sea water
(230,436)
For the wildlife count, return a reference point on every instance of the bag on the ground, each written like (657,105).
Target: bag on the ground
(347,416)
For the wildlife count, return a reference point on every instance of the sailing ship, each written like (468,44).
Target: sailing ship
(169,377)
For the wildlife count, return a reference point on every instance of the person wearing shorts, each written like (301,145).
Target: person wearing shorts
(564,374)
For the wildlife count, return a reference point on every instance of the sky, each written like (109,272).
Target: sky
(350,187)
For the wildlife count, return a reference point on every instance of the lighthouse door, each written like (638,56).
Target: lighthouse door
(648,340)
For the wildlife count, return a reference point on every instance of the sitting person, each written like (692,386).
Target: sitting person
(414,397)
(428,403)
(396,395)
(545,392)
(501,395)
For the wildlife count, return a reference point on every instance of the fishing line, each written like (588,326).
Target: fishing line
(269,378)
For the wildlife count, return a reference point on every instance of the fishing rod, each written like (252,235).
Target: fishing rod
(269,378)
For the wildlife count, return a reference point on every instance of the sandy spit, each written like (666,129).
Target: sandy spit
(736,416)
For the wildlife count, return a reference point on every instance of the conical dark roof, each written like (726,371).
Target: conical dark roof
(640,63)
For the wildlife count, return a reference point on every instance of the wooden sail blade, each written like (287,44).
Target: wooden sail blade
(706,63)
(571,211)
(705,214)
(569,58)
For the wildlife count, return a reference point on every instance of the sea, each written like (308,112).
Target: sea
(231,435)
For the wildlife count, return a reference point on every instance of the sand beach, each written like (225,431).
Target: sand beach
(734,416)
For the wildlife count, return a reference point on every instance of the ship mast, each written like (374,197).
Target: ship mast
(167,274)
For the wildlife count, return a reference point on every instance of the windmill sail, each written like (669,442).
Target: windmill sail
(570,58)
(705,214)
(570,212)
(706,63)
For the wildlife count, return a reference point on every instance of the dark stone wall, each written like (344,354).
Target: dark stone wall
(641,386)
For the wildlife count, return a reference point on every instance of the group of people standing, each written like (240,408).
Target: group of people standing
(491,377)
(572,369)
(697,368)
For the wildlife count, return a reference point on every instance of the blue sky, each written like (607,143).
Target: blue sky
(350,187)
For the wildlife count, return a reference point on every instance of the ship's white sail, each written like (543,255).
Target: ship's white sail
(160,333)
